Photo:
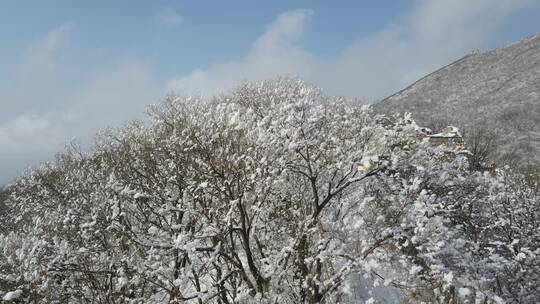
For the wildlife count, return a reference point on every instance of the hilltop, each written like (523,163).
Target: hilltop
(496,91)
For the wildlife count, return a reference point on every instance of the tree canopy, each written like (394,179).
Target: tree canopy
(274,193)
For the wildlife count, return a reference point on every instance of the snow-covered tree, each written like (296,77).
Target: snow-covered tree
(274,193)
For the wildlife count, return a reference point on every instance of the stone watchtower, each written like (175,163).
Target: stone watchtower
(449,136)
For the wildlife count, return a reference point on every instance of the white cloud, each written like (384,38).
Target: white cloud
(40,56)
(169,17)
(45,107)
(274,53)
(108,96)
(113,94)
(283,33)
(19,135)
(27,140)
(461,20)
(35,125)
(432,34)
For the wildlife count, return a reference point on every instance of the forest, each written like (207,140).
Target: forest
(273,193)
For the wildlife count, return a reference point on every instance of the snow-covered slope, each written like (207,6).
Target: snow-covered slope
(498,89)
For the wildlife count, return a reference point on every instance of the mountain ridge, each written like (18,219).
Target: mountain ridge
(498,90)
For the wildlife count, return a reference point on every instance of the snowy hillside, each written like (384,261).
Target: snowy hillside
(498,90)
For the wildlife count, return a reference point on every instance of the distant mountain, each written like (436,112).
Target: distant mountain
(496,91)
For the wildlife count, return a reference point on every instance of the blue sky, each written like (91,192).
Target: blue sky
(69,68)
(207,32)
